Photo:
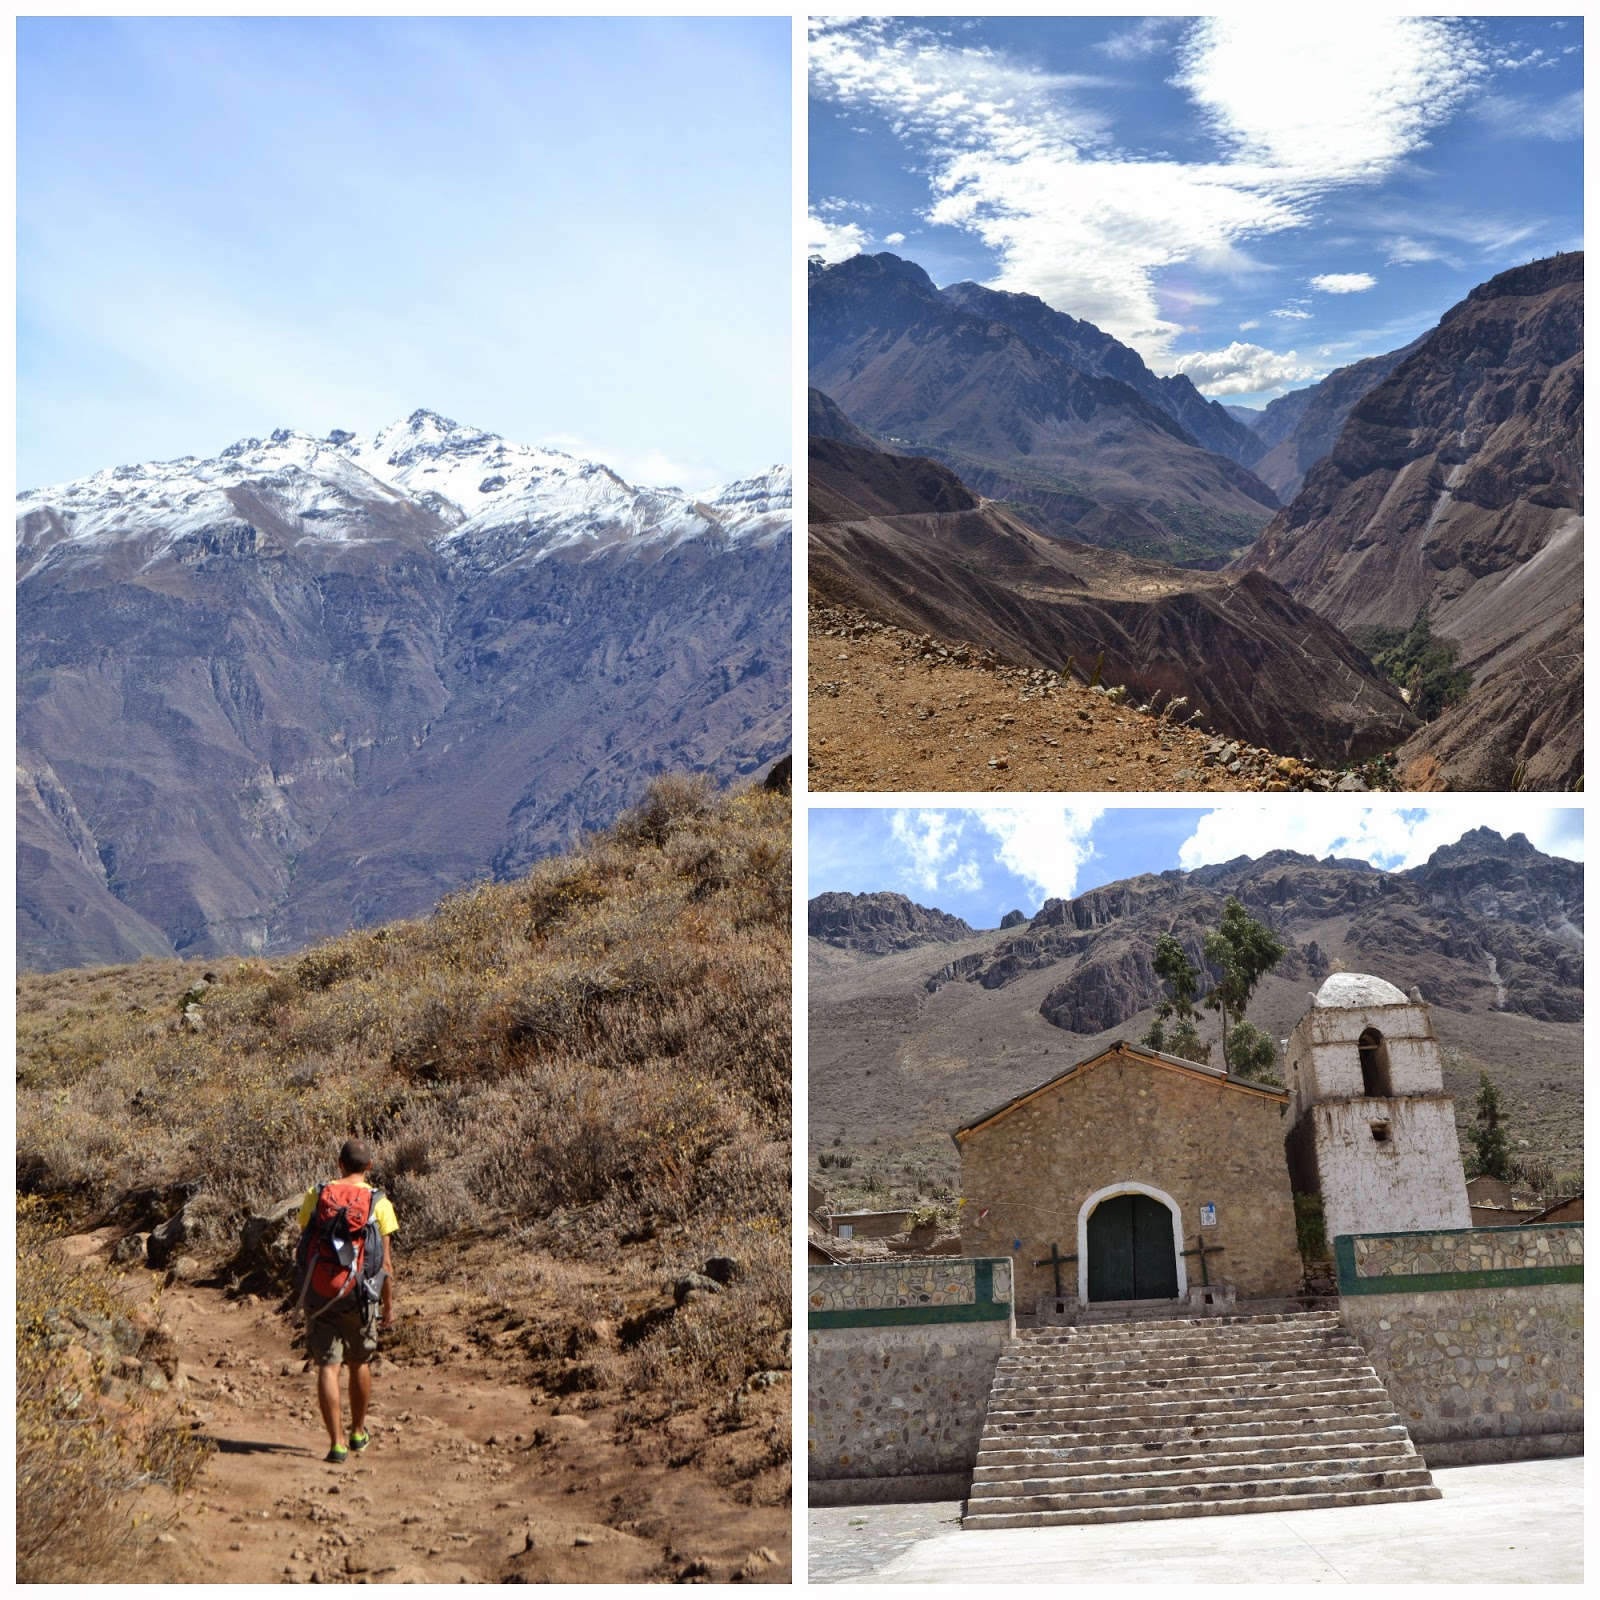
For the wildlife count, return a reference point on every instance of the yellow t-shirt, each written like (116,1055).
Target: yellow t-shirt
(383,1213)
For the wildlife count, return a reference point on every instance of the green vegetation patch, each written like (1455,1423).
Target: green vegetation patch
(1418,661)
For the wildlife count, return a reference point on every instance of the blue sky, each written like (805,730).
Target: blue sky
(1252,205)
(573,232)
(980,864)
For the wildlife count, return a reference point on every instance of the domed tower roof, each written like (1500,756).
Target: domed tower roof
(1358,989)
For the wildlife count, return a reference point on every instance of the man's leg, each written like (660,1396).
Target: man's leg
(360,1394)
(328,1397)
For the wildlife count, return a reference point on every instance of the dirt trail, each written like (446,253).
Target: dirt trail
(472,1475)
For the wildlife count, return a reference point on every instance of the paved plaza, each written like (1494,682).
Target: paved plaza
(1521,1522)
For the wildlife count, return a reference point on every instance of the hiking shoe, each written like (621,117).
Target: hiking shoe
(359,1440)
(336,1454)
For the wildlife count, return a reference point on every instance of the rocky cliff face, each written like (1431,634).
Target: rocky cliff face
(905,540)
(1299,429)
(1090,456)
(1085,347)
(320,682)
(1456,487)
(876,924)
(1486,923)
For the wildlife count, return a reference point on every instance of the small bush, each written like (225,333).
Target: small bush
(1310,1229)
(80,1454)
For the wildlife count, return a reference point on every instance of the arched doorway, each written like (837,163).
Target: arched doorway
(1128,1246)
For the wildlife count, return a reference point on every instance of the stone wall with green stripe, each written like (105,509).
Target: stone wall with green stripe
(902,1356)
(1464,1258)
(1476,1333)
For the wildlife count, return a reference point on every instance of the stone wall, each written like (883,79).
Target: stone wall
(901,1359)
(1477,1335)
(1187,1134)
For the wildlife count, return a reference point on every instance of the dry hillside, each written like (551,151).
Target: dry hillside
(579,1089)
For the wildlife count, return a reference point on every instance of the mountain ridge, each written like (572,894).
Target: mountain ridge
(267,694)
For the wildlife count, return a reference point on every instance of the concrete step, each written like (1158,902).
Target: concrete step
(1219,1432)
(1182,1382)
(1102,1420)
(1244,1361)
(1092,1497)
(1321,1500)
(1230,1476)
(1010,1466)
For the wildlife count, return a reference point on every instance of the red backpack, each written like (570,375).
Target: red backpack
(339,1259)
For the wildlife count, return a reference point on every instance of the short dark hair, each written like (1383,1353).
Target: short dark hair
(355,1155)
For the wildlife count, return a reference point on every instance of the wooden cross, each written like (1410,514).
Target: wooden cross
(1202,1249)
(1055,1261)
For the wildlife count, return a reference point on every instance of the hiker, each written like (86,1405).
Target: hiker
(345,1272)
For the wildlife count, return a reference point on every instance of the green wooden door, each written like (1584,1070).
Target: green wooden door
(1130,1250)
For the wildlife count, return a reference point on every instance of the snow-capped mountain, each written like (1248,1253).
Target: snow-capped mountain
(313,682)
(491,500)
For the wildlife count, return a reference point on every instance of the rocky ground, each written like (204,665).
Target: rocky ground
(893,710)
(475,1473)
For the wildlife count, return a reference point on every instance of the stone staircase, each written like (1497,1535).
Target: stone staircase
(1188,1417)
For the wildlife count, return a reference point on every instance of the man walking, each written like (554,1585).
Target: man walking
(348,1289)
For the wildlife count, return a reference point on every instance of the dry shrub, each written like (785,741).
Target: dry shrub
(79,1455)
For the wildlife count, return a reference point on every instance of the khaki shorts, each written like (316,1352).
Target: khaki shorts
(346,1335)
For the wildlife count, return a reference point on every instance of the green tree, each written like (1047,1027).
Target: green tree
(1175,1029)
(1244,951)
(1491,1151)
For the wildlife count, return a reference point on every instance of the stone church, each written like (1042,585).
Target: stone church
(1141,1177)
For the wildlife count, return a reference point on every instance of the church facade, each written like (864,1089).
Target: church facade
(1133,1176)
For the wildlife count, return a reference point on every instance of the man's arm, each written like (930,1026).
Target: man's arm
(386,1293)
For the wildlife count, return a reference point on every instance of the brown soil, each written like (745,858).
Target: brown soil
(475,1473)
(892,710)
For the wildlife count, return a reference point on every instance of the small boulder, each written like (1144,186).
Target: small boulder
(129,1250)
(693,1283)
(267,1242)
(724,1269)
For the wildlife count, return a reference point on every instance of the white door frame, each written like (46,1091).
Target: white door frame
(1110,1191)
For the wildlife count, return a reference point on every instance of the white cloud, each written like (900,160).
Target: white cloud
(1385,836)
(834,241)
(1291,314)
(968,877)
(1380,88)
(1249,323)
(1045,847)
(1022,158)
(1147,37)
(1530,119)
(1244,369)
(894,238)
(1343,282)
(927,840)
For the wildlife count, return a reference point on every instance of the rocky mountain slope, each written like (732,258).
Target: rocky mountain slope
(1456,486)
(1032,419)
(1087,348)
(315,682)
(906,541)
(1489,930)
(1298,429)
(879,923)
